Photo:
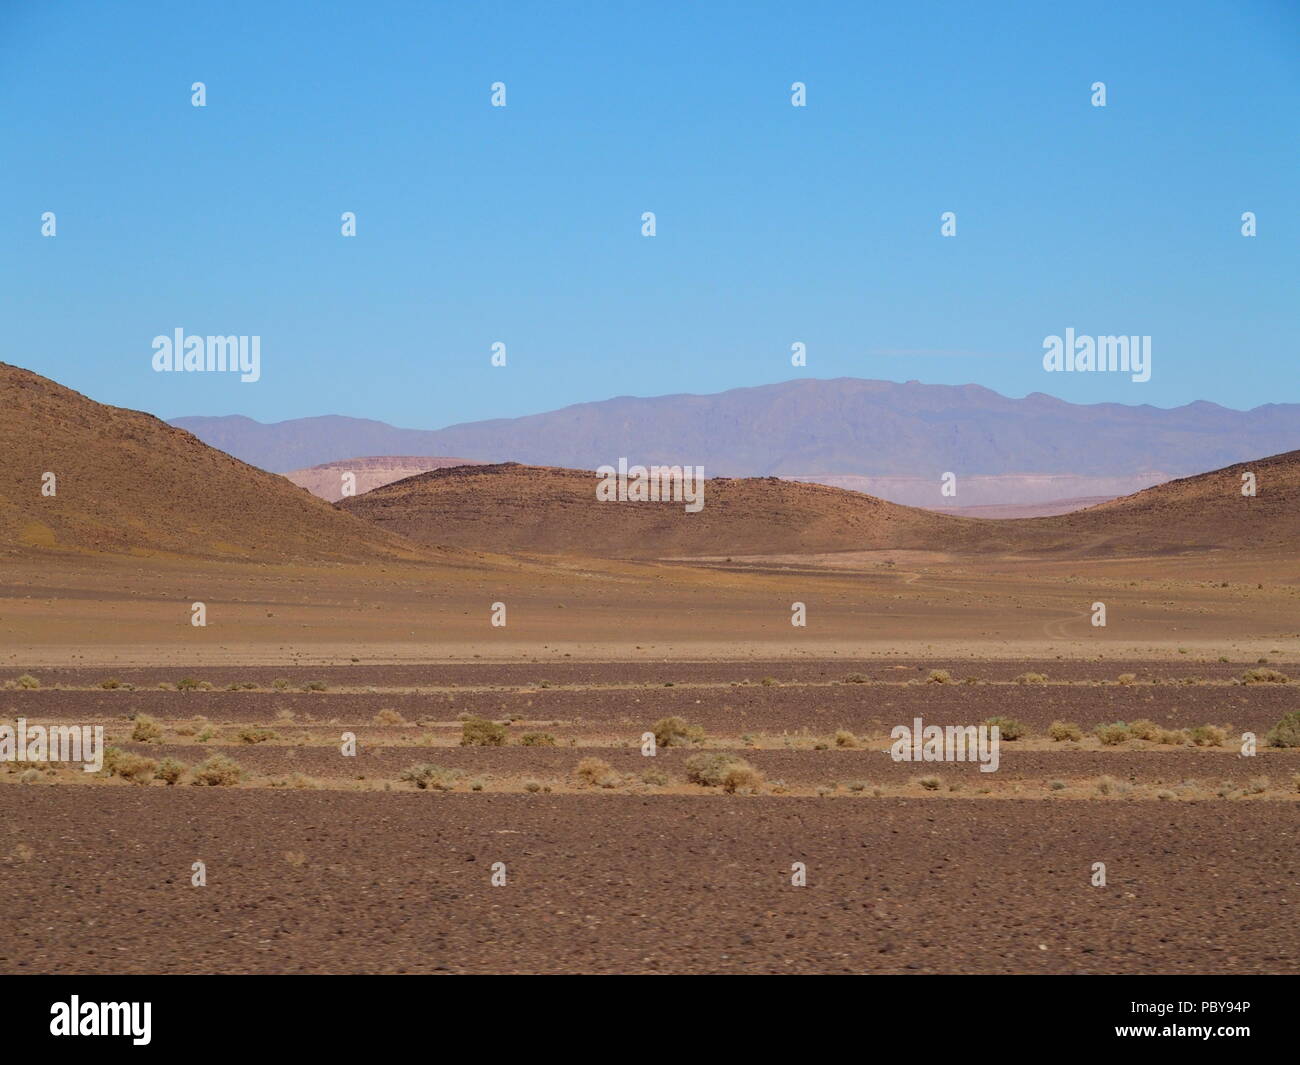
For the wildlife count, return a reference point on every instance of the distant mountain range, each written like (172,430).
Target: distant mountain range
(892,440)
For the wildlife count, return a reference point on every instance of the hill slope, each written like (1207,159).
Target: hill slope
(515,508)
(1204,512)
(128,483)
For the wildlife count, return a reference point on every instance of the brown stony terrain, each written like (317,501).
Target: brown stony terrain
(509,507)
(318,862)
(128,483)
(514,508)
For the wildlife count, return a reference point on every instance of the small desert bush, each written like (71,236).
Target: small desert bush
(1032,678)
(1171,737)
(1112,735)
(1286,733)
(939,676)
(930,783)
(146,729)
(1108,785)
(187,684)
(389,716)
(1143,729)
(435,778)
(1264,676)
(856,678)
(480,732)
(28,681)
(721,769)
(109,683)
(675,732)
(217,770)
(280,683)
(250,734)
(133,767)
(532,786)
(314,686)
(1127,678)
(1061,731)
(845,738)
(770,682)
(596,773)
(171,770)
(537,739)
(655,778)
(1009,728)
(1207,736)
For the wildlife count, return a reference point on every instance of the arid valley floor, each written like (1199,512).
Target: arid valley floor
(409,733)
(316,862)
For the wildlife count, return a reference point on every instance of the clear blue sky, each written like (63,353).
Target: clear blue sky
(522,225)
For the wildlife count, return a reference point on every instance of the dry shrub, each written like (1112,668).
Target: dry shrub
(1112,735)
(721,769)
(856,678)
(596,773)
(1143,729)
(939,676)
(1008,727)
(1032,678)
(171,770)
(1060,731)
(537,739)
(146,729)
(845,738)
(1286,733)
(133,767)
(389,716)
(250,734)
(1261,676)
(217,771)
(1207,736)
(930,783)
(675,732)
(1128,678)
(28,681)
(480,732)
(435,778)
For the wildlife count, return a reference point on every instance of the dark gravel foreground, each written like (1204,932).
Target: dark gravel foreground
(399,882)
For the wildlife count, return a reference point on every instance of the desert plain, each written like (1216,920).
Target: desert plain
(412,738)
